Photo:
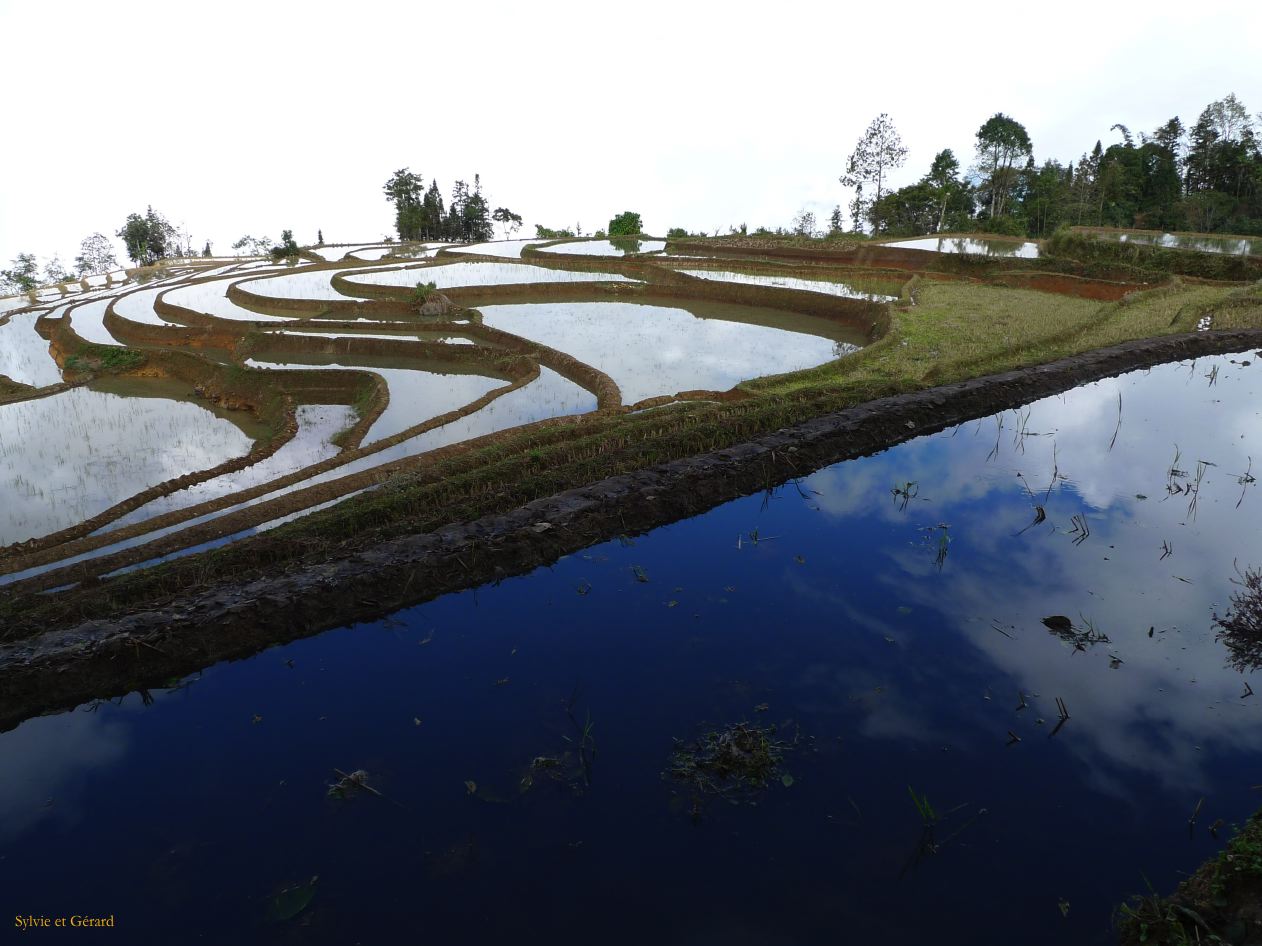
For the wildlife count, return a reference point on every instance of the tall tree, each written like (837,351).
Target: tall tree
(432,213)
(627,223)
(943,178)
(96,255)
(879,151)
(55,272)
(510,221)
(475,214)
(403,189)
(1001,142)
(148,238)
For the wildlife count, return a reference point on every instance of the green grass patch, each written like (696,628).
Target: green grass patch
(105,359)
(1221,903)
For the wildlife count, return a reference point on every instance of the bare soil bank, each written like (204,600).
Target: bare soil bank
(63,667)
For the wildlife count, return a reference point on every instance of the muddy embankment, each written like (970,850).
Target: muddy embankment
(62,668)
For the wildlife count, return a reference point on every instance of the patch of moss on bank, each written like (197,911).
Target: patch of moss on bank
(1221,903)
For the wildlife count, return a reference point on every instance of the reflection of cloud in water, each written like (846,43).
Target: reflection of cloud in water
(1171,703)
(45,761)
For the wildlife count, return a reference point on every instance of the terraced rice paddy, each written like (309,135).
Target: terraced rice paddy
(108,447)
(24,356)
(267,403)
(505,248)
(1017,248)
(790,282)
(933,673)
(652,350)
(459,275)
(618,247)
(1202,243)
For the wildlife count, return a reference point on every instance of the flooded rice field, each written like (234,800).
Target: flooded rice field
(415,395)
(459,275)
(24,355)
(1202,243)
(1017,248)
(505,248)
(210,298)
(652,350)
(846,290)
(976,674)
(318,424)
(108,447)
(88,322)
(647,349)
(616,247)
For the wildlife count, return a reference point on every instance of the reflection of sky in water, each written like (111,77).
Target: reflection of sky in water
(549,395)
(835,624)
(967,245)
(1203,244)
(67,457)
(415,396)
(88,323)
(458,275)
(510,248)
(334,253)
(211,298)
(24,354)
(317,425)
(619,247)
(650,350)
(788,282)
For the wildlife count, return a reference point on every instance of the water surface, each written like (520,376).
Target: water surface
(616,247)
(1237,246)
(459,275)
(1026,250)
(651,350)
(66,457)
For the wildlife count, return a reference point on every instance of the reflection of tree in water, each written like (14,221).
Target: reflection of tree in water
(1241,629)
(626,244)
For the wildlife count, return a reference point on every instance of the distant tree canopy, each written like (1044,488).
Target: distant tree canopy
(22,276)
(287,248)
(149,238)
(253,246)
(1206,177)
(55,272)
(1001,143)
(547,233)
(96,255)
(420,214)
(626,223)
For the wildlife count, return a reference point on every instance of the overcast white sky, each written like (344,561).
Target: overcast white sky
(249,118)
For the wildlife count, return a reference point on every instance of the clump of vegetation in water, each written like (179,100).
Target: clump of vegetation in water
(1241,628)
(1220,903)
(421,294)
(736,763)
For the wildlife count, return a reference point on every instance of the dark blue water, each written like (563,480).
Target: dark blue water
(889,656)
